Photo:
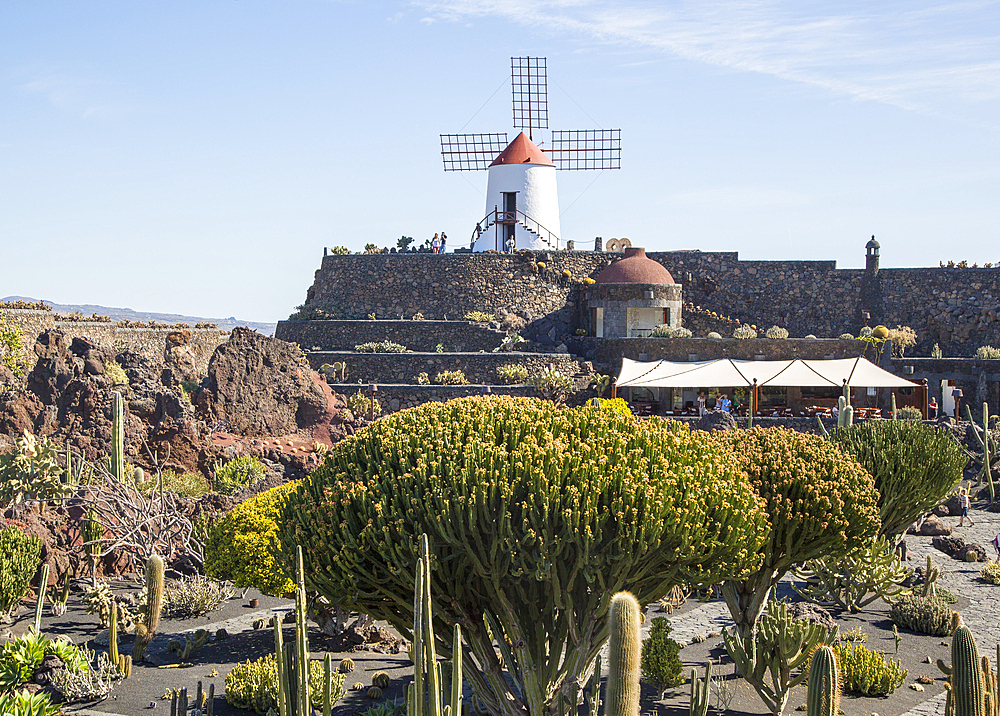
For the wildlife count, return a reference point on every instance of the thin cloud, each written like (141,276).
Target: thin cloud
(939,58)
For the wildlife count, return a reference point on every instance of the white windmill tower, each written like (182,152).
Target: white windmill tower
(522,203)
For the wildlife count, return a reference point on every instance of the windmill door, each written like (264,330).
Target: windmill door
(509,219)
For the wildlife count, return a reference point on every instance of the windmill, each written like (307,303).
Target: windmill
(522,204)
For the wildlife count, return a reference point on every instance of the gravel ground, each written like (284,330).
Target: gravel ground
(977,603)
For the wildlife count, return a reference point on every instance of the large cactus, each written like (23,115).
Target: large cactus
(624,658)
(118,437)
(777,647)
(91,533)
(700,690)
(43,585)
(303,703)
(967,692)
(823,696)
(988,447)
(931,573)
(113,633)
(145,630)
(425,696)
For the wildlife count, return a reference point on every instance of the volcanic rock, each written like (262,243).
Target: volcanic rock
(716,420)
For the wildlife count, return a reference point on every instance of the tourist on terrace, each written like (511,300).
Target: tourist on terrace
(701,405)
(444,240)
(435,244)
(724,403)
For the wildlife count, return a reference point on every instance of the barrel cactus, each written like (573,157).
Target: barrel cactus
(543,496)
(776,333)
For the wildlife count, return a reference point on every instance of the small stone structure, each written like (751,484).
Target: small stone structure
(631,297)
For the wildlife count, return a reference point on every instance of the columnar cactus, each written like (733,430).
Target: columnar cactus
(624,658)
(303,702)
(988,446)
(43,584)
(113,632)
(700,691)
(931,574)
(824,684)
(967,688)
(118,437)
(145,630)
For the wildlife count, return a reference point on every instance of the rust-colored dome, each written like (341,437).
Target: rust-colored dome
(522,151)
(635,268)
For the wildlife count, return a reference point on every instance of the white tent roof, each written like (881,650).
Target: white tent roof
(857,372)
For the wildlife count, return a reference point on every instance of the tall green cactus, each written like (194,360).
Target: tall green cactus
(988,446)
(967,675)
(426,669)
(931,574)
(118,437)
(91,532)
(303,702)
(895,415)
(145,631)
(624,657)
(823,696)
(43,585)
(113,633)
(279,654)
(700,691)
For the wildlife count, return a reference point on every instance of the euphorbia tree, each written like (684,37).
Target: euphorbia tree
(536,517)
(820,502)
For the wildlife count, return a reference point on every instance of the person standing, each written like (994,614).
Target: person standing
(435,244)
(932,409)
(964,495)
(444,240)
(724,403)
(701,405)
(996,545)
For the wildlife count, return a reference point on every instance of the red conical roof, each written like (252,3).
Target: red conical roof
(522,151)
(636,267)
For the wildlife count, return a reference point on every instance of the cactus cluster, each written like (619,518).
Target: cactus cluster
(19,558)
(972,683)
(700,691)
(823,695)
(868,673)
(924,615)
(122,661)
(571,486)
(768,657)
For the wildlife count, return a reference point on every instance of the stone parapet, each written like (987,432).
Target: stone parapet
(455,336)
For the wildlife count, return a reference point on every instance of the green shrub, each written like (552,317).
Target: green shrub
(513,374)
(908,412)
(237,474)
(21,656)
(478,316)
(32,472)
(339,250)
(185,484)
(194,596)
(115,373)
(525,505)
(988,352)
(22,703)
(914,465)
(868,673)
(239,545)
(618,405)
(451,377)
(12,352)
(360,403)
(821,503)
(776,333)
(20,556)
(661,661)
(423,378)
(380,347)
(254,685)
(665,331)
(924,615)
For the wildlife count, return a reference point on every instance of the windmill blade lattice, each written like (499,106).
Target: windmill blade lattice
(530,92)
(471,152)
(579,149)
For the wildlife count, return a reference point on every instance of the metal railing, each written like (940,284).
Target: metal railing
(506,218)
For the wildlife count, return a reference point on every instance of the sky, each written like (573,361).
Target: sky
(195,156)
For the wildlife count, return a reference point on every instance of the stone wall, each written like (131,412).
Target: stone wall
(957,308)
(31,322)
(148,342)
(458,336)
(479,368)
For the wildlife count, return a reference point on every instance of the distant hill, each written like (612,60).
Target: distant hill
(127,314)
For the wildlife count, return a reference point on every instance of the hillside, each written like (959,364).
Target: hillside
(127,314)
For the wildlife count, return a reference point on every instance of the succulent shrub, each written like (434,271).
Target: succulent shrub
(661,661)
(987,352)
(360,403)
(744,331)
(254,685)
(924,615)
(552,384)
(380,347)
(665,331)
(714,334)
(902,337)
(820,501)
(20,556)
(846,337)
(524,505)
(32,472)
(237,474)
(866,672)
(880,333)
(914,466)
(451,377)
(776,333)
(618,405)
(908,412)
(194,596)
(423,379)
(513,374)
(991,573)
(21,703)
(478,316)
(239,545)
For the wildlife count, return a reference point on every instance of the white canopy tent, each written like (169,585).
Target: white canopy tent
(855,372)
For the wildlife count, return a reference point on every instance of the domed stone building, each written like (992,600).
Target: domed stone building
(631,297)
